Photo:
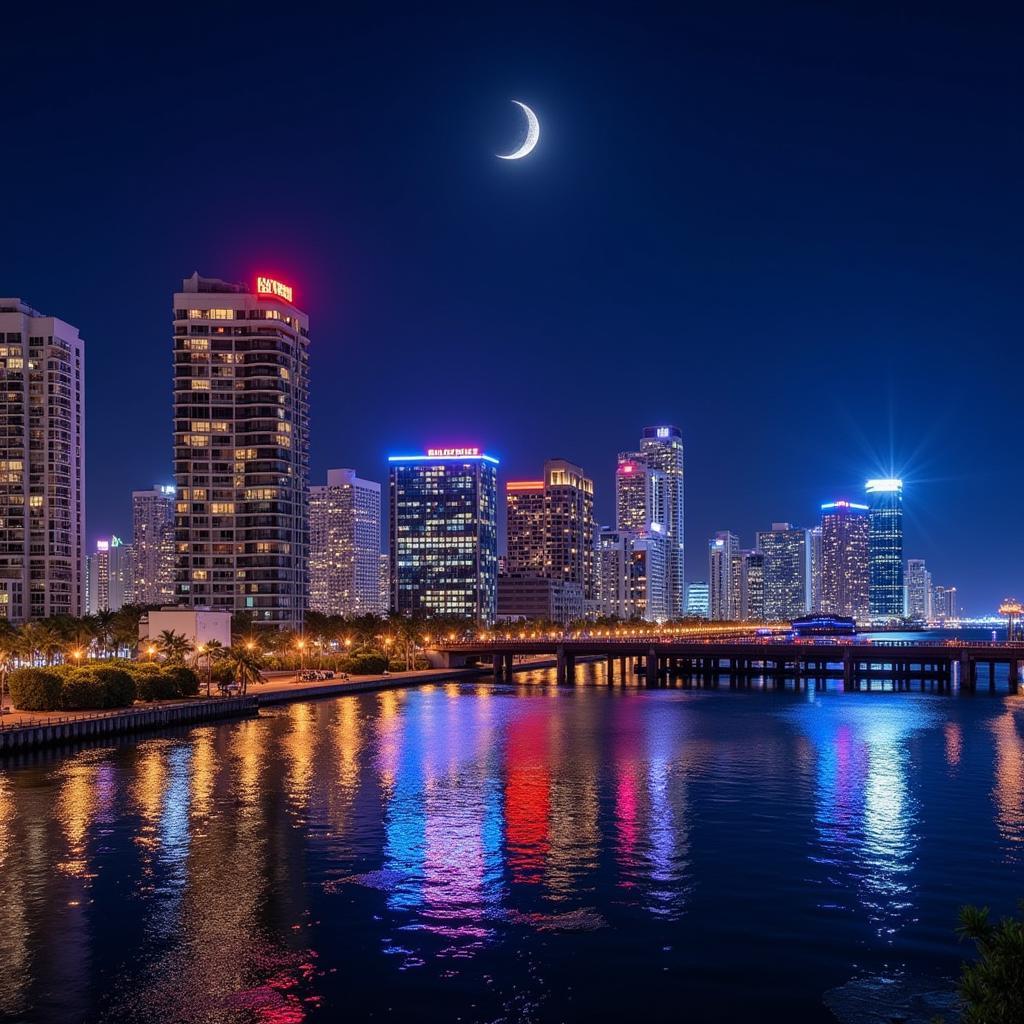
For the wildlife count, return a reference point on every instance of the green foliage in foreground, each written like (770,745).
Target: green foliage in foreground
(992,987)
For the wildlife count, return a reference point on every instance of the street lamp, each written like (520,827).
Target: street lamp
(301,645)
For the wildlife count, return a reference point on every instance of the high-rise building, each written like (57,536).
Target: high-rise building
(241,449)
(919,591)
(109,576)
(524,526)
(384,585)
(746,583)
(885,515)
(641,510)
(721,549)
(42,464)
(662,448)
(944,604)
(787,571)
(444,534)
(634,575)
(344,545)
(533,597)
(153,544)
(816,568)
(844,559)
(697,600)
(551,534)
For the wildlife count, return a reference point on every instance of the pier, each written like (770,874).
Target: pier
(657,662)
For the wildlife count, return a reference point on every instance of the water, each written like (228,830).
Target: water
(519,853)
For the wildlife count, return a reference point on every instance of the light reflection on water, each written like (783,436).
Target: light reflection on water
(510,851)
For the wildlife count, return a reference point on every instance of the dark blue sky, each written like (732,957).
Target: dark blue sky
(794,231)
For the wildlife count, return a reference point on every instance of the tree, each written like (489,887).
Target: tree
(173,646)
(104,621)
(212,650)
(992,987)
(245,660)
(125,628)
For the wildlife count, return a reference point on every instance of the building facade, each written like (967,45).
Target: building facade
(531,597)
(919,591)
(109,576)
(944,604)
(698,600)
(524,527)
(153,545)
(885,522)
(662,448)
(634,576)
(787,571)
(844,559)
(746,583)
(721,549)
(384,585)
(444,534)
(42,464)
(344,545)
(241,449)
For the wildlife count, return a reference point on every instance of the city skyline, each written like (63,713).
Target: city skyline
(689,214)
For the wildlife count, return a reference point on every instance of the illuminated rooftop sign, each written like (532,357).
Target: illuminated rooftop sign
(524,485)
(883,486)
(453,453)
(268,288)
(446,454)
(843,504)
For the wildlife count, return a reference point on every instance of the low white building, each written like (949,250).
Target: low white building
(198,625)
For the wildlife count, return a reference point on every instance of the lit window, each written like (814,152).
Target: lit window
(200,385)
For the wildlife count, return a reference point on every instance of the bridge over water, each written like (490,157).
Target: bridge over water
(664,661)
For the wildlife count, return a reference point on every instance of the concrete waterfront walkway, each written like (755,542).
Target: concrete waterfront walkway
(21,730)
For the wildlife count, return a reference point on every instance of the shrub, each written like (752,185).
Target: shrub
(185,680)
(156,686)
(35,689)
(83,690)
(118,686)
(221,673)
(368,664)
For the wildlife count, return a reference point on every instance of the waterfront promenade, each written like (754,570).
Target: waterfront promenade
(21,730)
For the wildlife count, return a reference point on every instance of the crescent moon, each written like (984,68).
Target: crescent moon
(532,135)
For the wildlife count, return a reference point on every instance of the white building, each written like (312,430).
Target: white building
(241,449)
(721,564)
(919,591)
(662,448)
(42,464)
(633,576)
(198,625)
(153,544)
(697,600)
(344,545)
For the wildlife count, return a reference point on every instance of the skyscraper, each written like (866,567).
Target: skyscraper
(153,545)
(662,447)
(344,545)
(919,591)
(816,569)
(844,559)
(721,549)
(524,526)
(885,515)
(241,449)
(787,571)
(110,576)
(746,593)
(42,464)
(551,534)
(634,575)
(444,534)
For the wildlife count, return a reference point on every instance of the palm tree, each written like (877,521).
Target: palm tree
(104,621)
(125,628)
(213,650)
(173,646)
(245,661)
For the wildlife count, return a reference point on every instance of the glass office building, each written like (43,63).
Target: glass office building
(444,534)
(885,547)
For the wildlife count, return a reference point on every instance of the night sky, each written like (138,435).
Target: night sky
(795,232)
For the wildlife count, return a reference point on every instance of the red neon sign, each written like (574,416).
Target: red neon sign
(267,287)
